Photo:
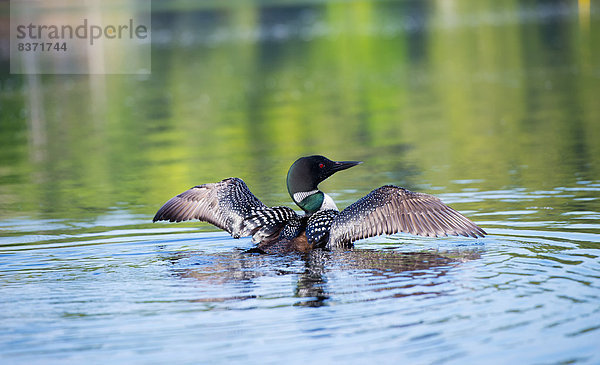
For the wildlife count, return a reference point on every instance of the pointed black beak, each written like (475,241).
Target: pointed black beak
(343,165)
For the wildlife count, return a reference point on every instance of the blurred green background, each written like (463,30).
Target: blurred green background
(438,96)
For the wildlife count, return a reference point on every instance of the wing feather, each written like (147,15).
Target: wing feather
(391,209)
(225,204)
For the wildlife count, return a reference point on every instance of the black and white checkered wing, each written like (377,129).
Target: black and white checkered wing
(225,204)
(391,209)
(265,223)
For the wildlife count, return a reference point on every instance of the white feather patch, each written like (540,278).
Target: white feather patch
(300,196)
(328,203)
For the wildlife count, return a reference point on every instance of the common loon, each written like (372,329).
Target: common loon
(231,206)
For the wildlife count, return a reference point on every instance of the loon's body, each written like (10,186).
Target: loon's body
(231,206)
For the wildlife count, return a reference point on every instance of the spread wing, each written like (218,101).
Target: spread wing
(225,204)
(391,209)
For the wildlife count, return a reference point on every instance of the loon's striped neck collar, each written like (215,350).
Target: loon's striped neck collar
(311,201)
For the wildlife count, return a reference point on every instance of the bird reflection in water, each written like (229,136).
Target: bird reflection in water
(314,268)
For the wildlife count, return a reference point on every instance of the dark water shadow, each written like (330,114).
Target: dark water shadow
(316,268)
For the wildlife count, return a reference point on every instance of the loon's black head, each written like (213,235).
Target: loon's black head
(307,172)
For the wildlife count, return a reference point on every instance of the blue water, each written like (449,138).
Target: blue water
(490,105)
(524,294)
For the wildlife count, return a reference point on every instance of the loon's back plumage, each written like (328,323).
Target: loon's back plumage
(231,206)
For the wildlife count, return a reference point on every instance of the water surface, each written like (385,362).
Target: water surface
(490,106)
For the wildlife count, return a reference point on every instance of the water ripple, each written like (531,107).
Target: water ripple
(530,284)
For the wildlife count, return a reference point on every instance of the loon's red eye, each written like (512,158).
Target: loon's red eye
(321,165)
